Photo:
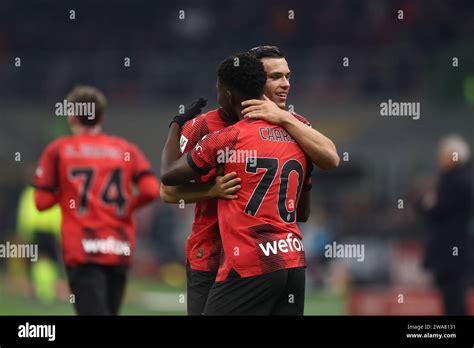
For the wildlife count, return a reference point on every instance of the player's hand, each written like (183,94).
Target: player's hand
(264,110)
(226,187)
(190,111)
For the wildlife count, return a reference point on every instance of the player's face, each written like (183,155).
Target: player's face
(278,80)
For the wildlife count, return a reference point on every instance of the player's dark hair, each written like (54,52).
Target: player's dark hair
(89,94)
(260,52)
(243,73)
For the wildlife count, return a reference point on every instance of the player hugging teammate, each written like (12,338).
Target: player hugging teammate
(245,255)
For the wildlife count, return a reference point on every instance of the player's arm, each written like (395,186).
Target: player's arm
(201,159)
(44,199)
(304,207)
(316,145)
(179,172)
(319,148)
(144,179)
(45,180)
(171,154)
(148,190)
(221,187)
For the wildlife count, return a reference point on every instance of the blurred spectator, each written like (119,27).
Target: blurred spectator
(317,234)
(163,234)
(447,212)
(43,230)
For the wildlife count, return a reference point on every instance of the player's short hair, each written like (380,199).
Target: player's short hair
(89,94)
(260,52)
(243,73)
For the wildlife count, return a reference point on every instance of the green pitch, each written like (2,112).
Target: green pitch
(151,298)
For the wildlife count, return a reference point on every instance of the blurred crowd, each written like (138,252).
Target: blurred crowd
(171,52)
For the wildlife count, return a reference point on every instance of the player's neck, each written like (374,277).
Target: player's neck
(230,117)
(81,130)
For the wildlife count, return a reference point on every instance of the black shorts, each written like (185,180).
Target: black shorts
(199,284)
(276,293)
(47,245)
(97,289)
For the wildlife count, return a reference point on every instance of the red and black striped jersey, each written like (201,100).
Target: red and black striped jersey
(203,246)
(91,176)
(259,231)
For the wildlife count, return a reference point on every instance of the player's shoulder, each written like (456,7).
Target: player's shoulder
(115,139)
(119,142)
(300,118)
(248,125)
(237,126)
(231,131)
(195,129)
(203,119)
(213,114)
(58,143)
(238,129)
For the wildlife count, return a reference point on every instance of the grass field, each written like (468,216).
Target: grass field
(150,298)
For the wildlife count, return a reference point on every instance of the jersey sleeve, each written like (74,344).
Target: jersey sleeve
(46,174)
(302,119)
(210,151)
(191,132)
(307,185)
(140,164)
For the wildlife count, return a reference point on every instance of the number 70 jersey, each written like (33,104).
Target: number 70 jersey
(91,176)
(258,230)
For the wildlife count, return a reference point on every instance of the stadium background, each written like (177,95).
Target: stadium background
(173,61)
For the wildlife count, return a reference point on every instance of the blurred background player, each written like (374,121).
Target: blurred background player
(447,210)
(251,279)
(90,174)
(41,228)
